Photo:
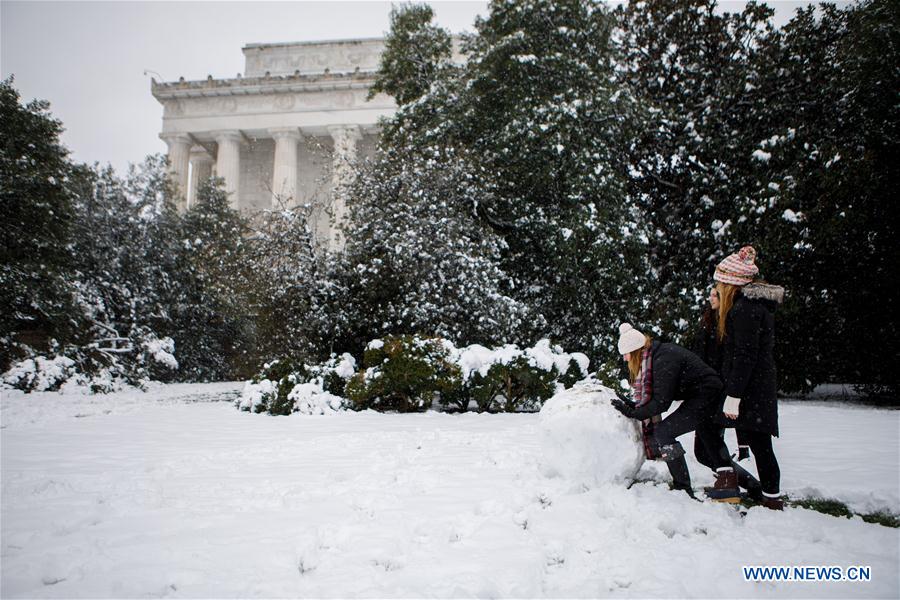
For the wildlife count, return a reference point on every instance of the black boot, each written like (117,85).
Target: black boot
(673,454)
(681,476)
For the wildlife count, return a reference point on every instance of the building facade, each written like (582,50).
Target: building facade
(285,133)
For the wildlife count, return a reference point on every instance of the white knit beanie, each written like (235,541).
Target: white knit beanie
(630,339)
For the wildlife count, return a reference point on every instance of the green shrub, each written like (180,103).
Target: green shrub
(573,374)
(613,375)
(518,384)
(271,390)
(404,374)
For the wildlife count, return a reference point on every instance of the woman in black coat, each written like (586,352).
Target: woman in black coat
(707,346)
(661,373)
(746,330)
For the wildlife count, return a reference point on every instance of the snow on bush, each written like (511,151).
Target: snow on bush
(762,155)
(255,394)
(284,387)
(405,373)
(64,374)
(478,359)
(509,378)
(162,351)
(311,399)
(585,440)
(408,373)
(40,374)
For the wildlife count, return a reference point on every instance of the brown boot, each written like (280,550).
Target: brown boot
(726,487)
(772,502)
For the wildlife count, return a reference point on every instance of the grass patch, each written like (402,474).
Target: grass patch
(882,518)
(836,508)
(826,506)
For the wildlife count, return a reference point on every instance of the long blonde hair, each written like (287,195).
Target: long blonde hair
(726,292)
(635,358)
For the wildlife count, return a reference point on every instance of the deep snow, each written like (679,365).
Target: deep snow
(169,494)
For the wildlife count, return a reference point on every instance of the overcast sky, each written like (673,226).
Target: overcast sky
(88,58)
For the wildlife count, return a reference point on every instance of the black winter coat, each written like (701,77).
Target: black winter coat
(748,361)
(679,374)
(706,345)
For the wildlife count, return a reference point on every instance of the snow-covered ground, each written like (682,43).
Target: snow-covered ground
(171,494)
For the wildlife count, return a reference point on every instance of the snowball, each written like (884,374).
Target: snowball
(586,441)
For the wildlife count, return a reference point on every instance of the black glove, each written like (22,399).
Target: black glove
(624,407)
(743,453)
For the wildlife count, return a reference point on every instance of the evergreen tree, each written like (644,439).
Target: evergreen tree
(414,53)
(35,224)
(214,330)
(421,261)
(284,272)
(827,125)
(692,67)
(535,107)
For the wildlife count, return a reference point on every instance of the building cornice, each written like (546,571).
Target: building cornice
(352,41)
(242,86)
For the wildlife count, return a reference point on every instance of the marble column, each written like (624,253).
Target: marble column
(228,164)
(201,170)
(179,160)
(345,138)
(284,171)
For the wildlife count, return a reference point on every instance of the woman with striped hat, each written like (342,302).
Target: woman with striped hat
(746,331)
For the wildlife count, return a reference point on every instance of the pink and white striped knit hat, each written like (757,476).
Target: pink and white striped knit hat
(739,268)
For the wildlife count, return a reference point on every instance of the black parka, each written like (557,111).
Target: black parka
(706,343)
(748,361)
(679,374)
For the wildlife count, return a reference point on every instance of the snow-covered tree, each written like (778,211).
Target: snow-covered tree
(421,260)
(826,127)
(692,66)
(536,115)
(284,272)
(35,224)
(414,53)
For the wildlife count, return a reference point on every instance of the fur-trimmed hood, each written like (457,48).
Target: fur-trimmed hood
(763,291)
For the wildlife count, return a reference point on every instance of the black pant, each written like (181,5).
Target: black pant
(702,455)
(691,417)
(761,446)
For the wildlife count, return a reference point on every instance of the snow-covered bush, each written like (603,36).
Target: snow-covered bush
(332,375)
(509,378)
(408,373)
(404,374)
(72,370)
(269,390)
(585,440)
(284,387)
(40,374)
(256,395)
(311,399)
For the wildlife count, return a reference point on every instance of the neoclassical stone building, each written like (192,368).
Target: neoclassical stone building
(284,132)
